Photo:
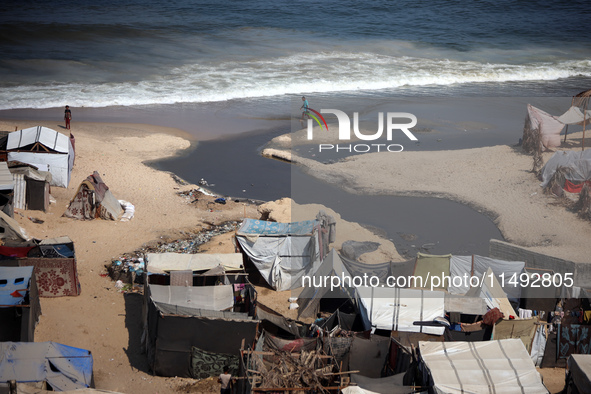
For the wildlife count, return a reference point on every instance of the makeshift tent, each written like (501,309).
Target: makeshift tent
(31,187)
(55,265)
(429,266)
(44,148)
(61,367)
(579,113)
(94,200)
(19,304)
(477,266)
(578,379)
(10,229)
(576,166)
(6,190)
(174,325)
(398,309)
(491,291)
(389,385)
(282,252)
(268,316)
(316,289)
(547,125)
(502,366)
(368,356)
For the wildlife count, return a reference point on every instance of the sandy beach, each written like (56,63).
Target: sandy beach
(102,319)
(496,181)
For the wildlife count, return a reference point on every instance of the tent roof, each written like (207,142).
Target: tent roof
(12,230)
(63,367)
(579,366)
(266,228)
(390,308)
(216,298)
(160,263)
(47,137)
(502,366)
(6,180)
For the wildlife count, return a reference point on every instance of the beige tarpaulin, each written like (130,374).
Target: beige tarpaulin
(548,125)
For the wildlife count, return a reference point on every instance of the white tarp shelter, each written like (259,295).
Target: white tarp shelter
(502,366)
(477,266)
(577,164)
(282,252)
(44,148)
(492,293)
(161,263)
(398,309)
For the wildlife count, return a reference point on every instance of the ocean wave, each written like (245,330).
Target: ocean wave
(320,72)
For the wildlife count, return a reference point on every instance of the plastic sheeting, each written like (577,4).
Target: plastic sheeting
(282,260)
(578,164)
(574,115)
(549,126)
(216,298)
(63,367)
(397,309)
(59,165)
(579,367)
(14,285)
(160,263)
(502,366)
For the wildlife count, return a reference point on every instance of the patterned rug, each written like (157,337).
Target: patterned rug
(55,277)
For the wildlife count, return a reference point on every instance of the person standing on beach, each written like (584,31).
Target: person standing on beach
(67,116)
(225,380)
(305,106)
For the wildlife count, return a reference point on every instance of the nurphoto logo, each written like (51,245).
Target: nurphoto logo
(395,121)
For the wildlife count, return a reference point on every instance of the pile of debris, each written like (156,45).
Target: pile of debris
(191,244)
(308,370)
(129,267)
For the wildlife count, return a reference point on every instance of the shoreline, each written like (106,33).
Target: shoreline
(101,319)
(496,181)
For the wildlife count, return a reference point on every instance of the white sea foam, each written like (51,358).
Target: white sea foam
(322,72)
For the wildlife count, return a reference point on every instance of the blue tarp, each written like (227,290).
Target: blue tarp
(14,281)
(263,227)
(62,367)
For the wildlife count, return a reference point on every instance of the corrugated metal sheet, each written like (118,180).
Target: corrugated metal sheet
(6,182)
(20,191)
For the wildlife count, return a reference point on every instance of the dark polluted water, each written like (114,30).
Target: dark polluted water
(234,167)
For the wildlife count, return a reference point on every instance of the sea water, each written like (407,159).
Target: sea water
(237,69)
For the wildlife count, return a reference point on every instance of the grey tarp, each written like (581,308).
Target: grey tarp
(170,337)
(502,366)
(389,385)
(579,368)
(309,298)
(577,163)
(368,356)
(282,252)
(475,265)
(62,367)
